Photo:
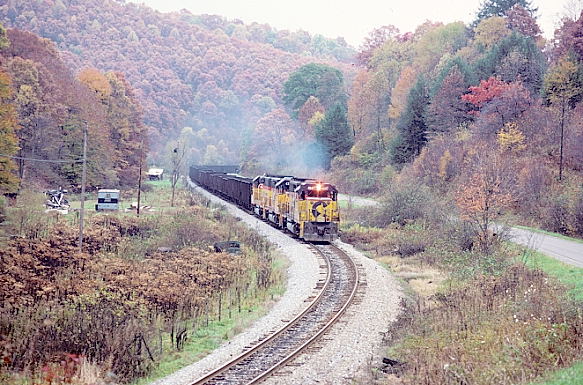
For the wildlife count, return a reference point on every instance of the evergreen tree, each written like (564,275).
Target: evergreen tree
(412,124)
(513,57)
(491,8)
(333,132)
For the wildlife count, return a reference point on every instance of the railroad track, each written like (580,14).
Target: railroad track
(337,291)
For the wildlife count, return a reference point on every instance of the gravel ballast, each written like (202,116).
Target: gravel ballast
(346,351)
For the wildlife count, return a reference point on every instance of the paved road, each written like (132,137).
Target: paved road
(357,201)
(566,251)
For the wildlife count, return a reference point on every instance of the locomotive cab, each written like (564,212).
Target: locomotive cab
(317,211)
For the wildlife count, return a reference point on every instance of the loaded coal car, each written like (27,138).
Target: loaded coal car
(225,182)
(238,189)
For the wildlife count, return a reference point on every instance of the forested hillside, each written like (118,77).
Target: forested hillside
(488,115)
(217,77)
(47,108)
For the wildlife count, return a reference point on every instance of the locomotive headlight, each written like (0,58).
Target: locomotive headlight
(318,187)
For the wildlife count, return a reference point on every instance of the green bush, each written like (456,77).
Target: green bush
(403,204)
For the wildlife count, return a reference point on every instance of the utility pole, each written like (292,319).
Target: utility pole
(562,139)
(140,176)
(83,181)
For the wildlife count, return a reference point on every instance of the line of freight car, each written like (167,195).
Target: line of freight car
(220,181)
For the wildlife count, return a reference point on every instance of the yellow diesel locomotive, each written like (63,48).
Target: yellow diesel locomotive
(306,207)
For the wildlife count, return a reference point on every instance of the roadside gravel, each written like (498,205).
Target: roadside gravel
(345,353)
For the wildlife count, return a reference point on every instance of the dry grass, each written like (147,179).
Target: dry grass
(120,304)
(472,318)
(503,330)
(422,278)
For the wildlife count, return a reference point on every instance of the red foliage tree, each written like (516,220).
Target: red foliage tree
(521,20)
(484,92)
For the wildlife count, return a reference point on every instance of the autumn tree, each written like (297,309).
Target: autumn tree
(272,138)
(510,138)
(510,106)
(177,158)
(8,139)
(484,92)
(358,106)
(401,91)
(128,134)
(447,109)
(490,31)
(568,38)
(375,39)
(437,42)
(319,80)
(482,196)
(521,20)
(563,89)
(97,82)
(28,100)
(311,107)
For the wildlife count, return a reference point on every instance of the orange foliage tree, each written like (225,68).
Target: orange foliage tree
(8,140)
(481,199)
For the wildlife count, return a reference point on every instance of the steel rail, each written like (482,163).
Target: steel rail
(260,345)
(352,277)
(329,324)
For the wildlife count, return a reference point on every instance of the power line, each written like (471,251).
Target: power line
(42,160)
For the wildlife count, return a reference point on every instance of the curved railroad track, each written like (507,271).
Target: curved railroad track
(338,289)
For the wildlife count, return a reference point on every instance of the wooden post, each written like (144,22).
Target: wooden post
(140,176)
(83,181)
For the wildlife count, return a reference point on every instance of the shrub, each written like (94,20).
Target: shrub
(403,204)
(113,303)
(578,215)
(504,329)
(557,216)
(459,233)
(2,209)
(408,245)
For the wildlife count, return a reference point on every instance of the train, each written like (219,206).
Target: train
(307,208)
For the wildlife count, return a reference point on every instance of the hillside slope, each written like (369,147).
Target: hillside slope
(184,71)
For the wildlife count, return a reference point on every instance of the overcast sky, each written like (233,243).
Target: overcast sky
(352,19)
